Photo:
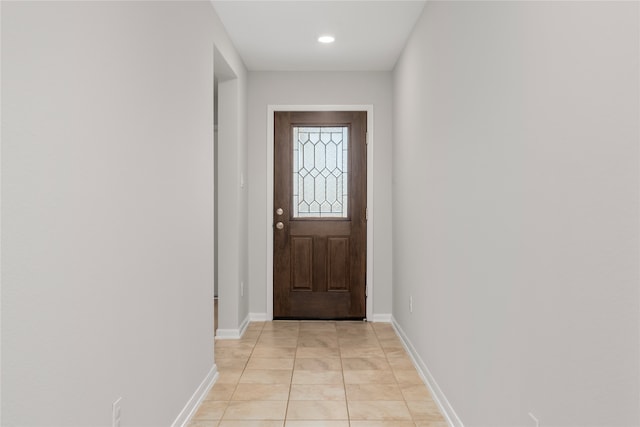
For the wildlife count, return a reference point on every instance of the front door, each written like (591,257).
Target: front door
(320,225)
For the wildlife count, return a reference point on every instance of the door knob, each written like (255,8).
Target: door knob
(279,225)
(279,211)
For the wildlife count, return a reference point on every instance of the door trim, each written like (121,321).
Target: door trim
(269,211)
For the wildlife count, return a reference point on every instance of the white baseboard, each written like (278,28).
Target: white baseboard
(192,405)
(382,318)
(259,317)
(228,334)
(438,396)
(244,325)
(233,334)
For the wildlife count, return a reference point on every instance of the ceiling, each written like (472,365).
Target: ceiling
(282,35)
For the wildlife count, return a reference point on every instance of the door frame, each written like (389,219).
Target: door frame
(269,211)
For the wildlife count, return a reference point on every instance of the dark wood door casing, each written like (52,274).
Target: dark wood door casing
(320,263)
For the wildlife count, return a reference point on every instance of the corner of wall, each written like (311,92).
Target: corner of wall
(233,334)
(382,318)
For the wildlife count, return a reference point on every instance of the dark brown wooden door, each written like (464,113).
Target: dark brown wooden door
(320,228)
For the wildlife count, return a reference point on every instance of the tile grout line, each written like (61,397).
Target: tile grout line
(344,384)
(395,379)
(237,384)
(235,389)
(293,369)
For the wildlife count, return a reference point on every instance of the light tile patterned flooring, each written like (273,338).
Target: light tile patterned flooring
(316,374)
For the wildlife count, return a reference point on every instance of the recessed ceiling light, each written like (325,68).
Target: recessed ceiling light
(326,39)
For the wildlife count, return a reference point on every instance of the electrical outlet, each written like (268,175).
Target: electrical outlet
(410,304)
(115,413)
(534,419)
(241,289)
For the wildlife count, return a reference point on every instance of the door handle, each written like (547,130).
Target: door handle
(279,225)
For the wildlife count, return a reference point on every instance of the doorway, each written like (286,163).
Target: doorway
(320,215)
(227,195)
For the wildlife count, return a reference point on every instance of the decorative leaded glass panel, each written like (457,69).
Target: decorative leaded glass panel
(320,183)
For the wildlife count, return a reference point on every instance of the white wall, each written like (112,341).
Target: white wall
(107,209)
(319,88)
(515,208)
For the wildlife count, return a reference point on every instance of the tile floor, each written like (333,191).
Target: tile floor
(316,374)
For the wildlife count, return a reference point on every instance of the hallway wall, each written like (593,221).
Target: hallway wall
(516,206)
(107,209)
(319,88)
